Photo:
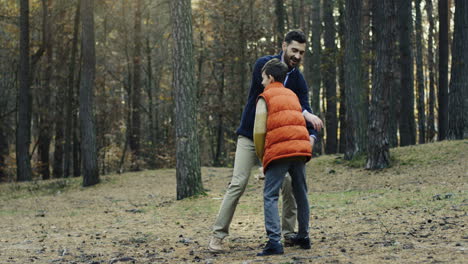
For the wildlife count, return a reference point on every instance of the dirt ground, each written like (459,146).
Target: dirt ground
(414,212)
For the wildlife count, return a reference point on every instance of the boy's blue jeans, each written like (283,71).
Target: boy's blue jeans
(274,177)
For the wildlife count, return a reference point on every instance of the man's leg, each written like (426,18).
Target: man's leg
(245,159)
(289,211)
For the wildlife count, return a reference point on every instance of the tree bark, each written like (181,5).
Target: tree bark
(188,172)
(70,98)
(316,57)
(4,150)
(88,133)
(315,74)
(355,96)
(44,112)
(378,154)
(443,68)
(341,78)
(23,130)
(329,77)
(406,121)
(135,136)
(279,13)
(431,67)
(459,74)
(420,75)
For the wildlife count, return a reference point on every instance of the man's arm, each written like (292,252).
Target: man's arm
(303,95)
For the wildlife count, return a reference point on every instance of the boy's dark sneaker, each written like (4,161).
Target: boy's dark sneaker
(303,242)
(272,248)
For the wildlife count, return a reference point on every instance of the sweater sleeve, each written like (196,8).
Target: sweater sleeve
(303,95)
(259,131)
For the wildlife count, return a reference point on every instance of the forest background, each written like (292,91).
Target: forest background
(414,50)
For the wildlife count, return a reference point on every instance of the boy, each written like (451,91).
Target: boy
(282,143)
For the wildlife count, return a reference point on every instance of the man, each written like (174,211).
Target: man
(293,50)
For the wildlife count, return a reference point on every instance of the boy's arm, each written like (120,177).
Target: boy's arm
(259,131)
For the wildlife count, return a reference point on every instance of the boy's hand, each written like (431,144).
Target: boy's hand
(312,141)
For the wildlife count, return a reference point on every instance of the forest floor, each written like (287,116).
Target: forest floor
(413,212)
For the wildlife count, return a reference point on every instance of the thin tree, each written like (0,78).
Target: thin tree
(136,93)
(23,130)
(420,75)
(443,68)
(70,105)
(329,77)
(44,112)
(315,59)
(188,172)
(431,67)
(356,122)
(279,13)
(4,151)
(459,74)
(406,121)
(378,150)
(88,133)
(341,78)
(395,96)
(316,78)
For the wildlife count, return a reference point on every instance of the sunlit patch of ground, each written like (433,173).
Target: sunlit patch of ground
(413,212)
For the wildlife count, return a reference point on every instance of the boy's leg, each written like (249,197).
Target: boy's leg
(273,180)
(245,159)
(299,185)
(289,211)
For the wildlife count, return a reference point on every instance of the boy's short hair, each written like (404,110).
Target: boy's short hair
(296,35)
(277,69)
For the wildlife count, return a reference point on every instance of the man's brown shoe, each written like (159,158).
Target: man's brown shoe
(216,244)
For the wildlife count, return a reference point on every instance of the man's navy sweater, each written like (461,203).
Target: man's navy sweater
(294,81)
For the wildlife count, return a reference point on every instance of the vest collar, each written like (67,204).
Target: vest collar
(273,85)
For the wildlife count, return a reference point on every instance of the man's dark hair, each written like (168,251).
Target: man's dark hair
(277,69)
(296,35)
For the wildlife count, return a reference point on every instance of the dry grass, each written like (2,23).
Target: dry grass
(414,212)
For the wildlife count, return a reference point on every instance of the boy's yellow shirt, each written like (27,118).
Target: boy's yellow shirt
(260,127)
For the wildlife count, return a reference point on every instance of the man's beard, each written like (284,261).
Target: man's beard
(291,61)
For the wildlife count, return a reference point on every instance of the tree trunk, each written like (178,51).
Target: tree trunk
(88,133)
(279,13)
(341,78)
(316,56)
(315,76)
(4,151)
(459,74)
(136,94)
(431,67)
(355,96)
(188,172)
(152,124)
(59,121)
(329,77)
(23,130)
(70,105)
(76,126)
(44,112)
(378,154)
(443,68)
(407,124)
(367,50)
(420,75)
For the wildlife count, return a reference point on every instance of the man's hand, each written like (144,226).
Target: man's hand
(314,120)
(312,141)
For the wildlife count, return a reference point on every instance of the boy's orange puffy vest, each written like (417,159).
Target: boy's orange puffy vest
(286,135)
